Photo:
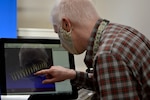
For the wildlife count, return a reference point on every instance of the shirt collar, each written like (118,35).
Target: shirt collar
(88,58)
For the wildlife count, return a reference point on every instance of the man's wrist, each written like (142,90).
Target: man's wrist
(72,74)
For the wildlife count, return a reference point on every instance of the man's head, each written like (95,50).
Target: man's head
(73,20)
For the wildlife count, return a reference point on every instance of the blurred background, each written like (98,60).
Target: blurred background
(36,13)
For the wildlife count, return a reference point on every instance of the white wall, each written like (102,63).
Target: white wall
(134,13)
(35,13)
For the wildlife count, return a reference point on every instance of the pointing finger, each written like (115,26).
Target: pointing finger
(41,72)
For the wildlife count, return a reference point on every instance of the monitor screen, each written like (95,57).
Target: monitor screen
(20,58)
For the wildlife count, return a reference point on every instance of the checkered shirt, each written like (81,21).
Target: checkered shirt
(121,67)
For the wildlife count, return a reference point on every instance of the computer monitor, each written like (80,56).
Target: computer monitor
(20,58)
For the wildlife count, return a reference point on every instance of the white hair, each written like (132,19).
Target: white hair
(78,11)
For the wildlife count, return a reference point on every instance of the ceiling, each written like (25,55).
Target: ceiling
(34,13)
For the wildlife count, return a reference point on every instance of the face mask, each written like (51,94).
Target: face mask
(66,41)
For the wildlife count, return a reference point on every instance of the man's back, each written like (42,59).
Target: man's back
(125,54)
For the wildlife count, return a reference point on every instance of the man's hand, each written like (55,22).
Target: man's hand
(56,74)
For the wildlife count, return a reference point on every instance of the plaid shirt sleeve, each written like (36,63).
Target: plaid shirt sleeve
(83,81)
(115,78)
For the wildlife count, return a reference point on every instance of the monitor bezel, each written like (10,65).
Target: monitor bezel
(43,41)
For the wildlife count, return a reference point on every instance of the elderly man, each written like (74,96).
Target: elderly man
(117,56)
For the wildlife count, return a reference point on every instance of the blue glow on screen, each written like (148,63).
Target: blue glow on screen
(8,26)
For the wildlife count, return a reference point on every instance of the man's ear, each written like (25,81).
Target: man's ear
(66,24)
